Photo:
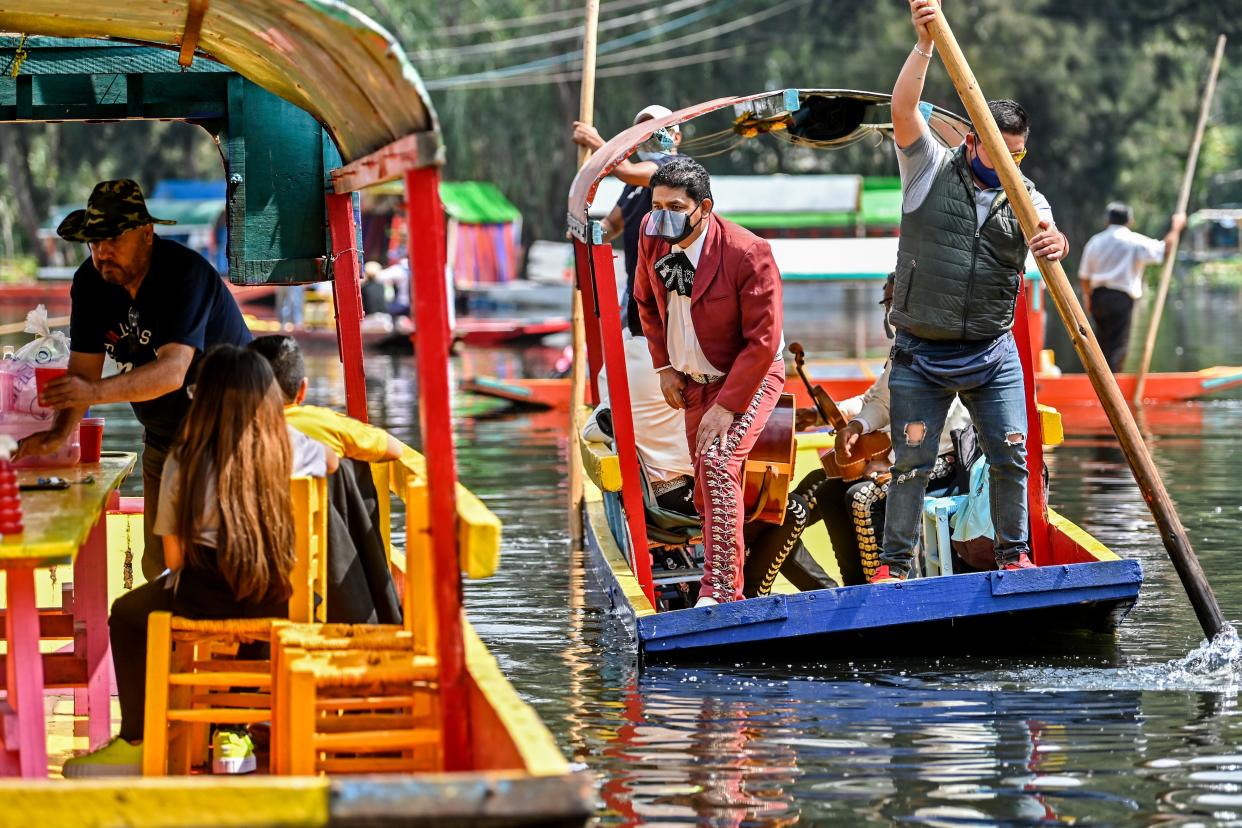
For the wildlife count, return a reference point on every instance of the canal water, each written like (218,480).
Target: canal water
(1141,731)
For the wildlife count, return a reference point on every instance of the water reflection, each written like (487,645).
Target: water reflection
(731,748)
(1108,733)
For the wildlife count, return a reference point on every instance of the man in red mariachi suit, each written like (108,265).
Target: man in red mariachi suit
(709,297)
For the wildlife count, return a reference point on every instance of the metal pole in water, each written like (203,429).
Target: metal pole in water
(1172,533)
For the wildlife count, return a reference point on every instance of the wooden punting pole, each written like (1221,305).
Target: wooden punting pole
(1176,541)
(577,393)
(1183,199)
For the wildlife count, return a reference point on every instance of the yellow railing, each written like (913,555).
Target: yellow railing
(478,539)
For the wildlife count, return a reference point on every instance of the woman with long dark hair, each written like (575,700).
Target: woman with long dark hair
(225,513)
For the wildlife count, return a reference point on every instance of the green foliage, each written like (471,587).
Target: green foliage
(1112,90)
(20,269)
(1221,273)
(49,164)
(1112,87)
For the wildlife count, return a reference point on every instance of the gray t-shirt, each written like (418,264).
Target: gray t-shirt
(309,460)
(918,163)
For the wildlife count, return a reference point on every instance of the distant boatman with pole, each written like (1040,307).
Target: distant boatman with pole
(625,218)
(1111,273)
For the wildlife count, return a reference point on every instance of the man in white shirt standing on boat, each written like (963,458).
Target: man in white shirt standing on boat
(1111,273)
(709,296)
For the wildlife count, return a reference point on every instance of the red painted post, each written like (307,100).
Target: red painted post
(609,322)
(1035,305)
(1036,496)
(590,321)
(429,300)
(347,296)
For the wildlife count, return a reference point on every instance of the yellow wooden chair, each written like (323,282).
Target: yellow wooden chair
(360,712)
(344,693)
(348,643)
(293,642)
(192,665)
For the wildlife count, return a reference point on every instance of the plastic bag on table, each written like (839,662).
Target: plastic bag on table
(17,427)
(49,349)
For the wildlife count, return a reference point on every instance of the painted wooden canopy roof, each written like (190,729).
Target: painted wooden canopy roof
(320,55)
(814,117)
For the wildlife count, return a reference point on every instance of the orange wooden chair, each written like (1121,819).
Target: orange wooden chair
(360,712)
(193,673)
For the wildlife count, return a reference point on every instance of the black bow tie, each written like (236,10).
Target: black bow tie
(677,273)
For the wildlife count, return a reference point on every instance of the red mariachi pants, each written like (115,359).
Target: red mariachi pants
(718,480)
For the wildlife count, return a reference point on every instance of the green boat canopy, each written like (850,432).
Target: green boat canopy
(477,202)
(320,55)
(469,202)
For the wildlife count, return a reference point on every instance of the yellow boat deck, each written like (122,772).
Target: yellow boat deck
(517,768)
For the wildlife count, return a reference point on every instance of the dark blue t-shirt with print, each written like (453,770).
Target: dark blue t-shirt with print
(182,300)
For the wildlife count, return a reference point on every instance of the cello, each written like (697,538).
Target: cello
(874,445)
(767,474)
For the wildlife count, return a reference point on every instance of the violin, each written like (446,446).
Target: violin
(872,446)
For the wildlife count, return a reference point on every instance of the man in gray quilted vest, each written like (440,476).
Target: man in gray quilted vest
(960,264)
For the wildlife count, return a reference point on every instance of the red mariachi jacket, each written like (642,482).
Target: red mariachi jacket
(735,306)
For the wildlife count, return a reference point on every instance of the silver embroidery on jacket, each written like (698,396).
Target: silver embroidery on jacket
(725,507)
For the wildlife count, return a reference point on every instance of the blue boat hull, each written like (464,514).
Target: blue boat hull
(961,613)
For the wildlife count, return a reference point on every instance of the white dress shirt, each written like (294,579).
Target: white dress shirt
(1115,258)
(684,352)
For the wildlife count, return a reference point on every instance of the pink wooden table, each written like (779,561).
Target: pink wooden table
(61,527)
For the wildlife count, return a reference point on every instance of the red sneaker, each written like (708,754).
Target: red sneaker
(885,575)
(1023,562)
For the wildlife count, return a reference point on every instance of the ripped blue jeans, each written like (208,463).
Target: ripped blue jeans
(918,408)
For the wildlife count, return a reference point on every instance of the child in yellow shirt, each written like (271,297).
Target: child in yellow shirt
(344,435)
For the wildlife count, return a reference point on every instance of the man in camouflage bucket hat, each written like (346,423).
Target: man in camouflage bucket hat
(113,208)
(153,306)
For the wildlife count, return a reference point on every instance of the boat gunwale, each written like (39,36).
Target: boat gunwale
(1107,579)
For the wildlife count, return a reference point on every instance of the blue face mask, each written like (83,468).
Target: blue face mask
(671,225)
(986,175)
(660,144)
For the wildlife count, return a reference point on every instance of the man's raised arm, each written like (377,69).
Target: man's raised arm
(907,91)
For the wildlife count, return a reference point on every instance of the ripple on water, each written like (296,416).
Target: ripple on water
(1214,666)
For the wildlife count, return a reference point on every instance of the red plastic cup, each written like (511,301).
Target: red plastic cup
(45,374)
(90,435)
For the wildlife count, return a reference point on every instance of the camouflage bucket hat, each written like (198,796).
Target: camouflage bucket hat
(113,208)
